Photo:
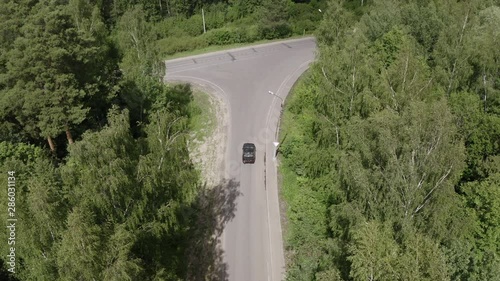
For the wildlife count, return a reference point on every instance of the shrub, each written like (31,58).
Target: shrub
(240,35)
(232,14)
(216,16)
(220,36)
(194,25)
(171,27)
(275,30)
(302,26)
(252,33)
(170,46)
(224,36)
(21,151)
(299,10)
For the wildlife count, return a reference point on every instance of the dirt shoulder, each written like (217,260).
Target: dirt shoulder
(207,142)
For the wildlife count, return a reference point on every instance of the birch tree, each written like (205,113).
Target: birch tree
(373,253)
(136,39)
(486,59)
(402,162)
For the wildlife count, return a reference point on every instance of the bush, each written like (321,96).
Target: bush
(252,33)
(221,36)
(302,26)
(194,25)
(21,151)
(224,36)
(299,10)
(171,27)
(232,14)
(216,16)
(180,27)
(275,30)
(170,46)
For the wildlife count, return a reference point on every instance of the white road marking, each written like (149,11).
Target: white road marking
(267,190)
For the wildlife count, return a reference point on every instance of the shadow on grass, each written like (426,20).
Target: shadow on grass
(215,207)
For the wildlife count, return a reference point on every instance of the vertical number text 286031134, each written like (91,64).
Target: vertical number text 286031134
(11,221)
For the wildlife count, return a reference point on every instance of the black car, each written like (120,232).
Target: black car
(248,153)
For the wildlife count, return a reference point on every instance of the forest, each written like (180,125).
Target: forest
(390,153)
(391,145)
(97,144)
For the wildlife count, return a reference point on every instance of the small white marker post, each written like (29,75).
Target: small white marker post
(275,149)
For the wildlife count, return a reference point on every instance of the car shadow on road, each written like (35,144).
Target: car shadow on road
(215,207)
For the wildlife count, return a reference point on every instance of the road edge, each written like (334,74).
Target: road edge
(272,182)
(240,49)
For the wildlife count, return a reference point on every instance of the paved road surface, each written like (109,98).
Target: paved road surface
(252,240)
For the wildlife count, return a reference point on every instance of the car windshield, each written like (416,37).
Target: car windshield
(248,147)
(248,150)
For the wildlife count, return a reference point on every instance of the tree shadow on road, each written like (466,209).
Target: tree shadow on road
(214,208)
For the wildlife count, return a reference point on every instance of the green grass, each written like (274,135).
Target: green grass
(203,118)
(215,48)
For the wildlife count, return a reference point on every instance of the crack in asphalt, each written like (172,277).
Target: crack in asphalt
(232,57)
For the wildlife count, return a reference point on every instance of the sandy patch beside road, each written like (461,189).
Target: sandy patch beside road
(208,150)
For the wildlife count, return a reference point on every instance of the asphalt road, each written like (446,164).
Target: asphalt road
(252,240)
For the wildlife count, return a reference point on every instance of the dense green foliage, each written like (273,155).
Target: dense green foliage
(105,188)
(391,159)
(391,149)
(236,21)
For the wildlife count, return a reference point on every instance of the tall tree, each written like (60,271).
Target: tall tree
(400,171)
(335,24)
(373,253)
(79,252)
(136,40)
(273,16)
(484,198)
(42,74)
(486,59)
(453,47)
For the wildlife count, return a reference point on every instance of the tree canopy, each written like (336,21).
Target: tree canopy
(392,139)
(98,144)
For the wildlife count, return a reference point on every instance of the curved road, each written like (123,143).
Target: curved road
(252,240)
